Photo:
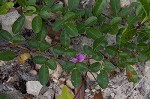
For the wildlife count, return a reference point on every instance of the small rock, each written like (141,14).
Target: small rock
(2,63)
(112,95)
(33,72)
(33,87)
(37,66)
(28,21)
(97,87)
(8,19)
(92,61)
(62,79)
(93,90)
(49,94)
(48,39)
(90,76)
(57,73)
(87,90)
(69,84)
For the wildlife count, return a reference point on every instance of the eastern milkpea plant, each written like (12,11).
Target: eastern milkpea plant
(129,24)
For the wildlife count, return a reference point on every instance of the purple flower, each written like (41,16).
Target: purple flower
(80,58)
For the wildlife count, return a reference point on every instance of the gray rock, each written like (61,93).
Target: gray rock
(33,87)
(8,19)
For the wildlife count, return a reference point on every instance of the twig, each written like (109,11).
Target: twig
(80,86)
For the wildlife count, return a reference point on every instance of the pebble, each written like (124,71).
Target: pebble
(37,66)
(49,94)
(112,95)
(57,73)
(33,87)
(87,90)
(69,84)
(33,72)
(28,21)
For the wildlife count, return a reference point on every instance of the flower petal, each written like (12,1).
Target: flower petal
(74,60)
(81,58)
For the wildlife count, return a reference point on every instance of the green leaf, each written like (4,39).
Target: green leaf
(68,66)
(73,4)
(45,14)
(29,10)
(39,60)
(145,6)
(49,2)
(5,8)
(18,39)
(115,21)
(56,7)
(69,16)
(43,75)
(97,56)
(131,74)
(81,67)
(124,12)
(43,33)
(37,24)
(108,66)
(91,21)
(5,35)
(102,79)
(111,50)
(118,36)
(70,52)
(51,64)
(66,94)
(95,67)
(143,56)
(93,33)
(99,7)
(44,45)
(2,2)
(32,43)
(7,55)
(58,50)
(143,47)
(31,2)
(71,29)
(65,39)
(76,78)
(125,53)
(18,24)
(57,25)
(99,43)
(4,96)
(81,28)
(131,61)
(87,49)
(115,6)
(22,3)
(128,33)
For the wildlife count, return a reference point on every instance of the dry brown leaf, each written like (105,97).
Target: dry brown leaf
(23,57)
(98,95)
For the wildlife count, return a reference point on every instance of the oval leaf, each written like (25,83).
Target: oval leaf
(37,24)
(39,60)
(51,64)
(7,55)
(18,24)
(76,78)
(102,79)
(95,67)
(43,75)
(131,73)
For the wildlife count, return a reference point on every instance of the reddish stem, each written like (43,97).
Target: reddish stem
(80,86)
